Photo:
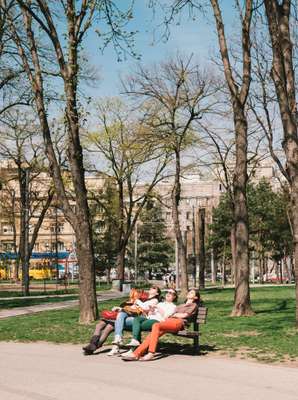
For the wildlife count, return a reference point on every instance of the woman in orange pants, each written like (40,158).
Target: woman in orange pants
(171,325)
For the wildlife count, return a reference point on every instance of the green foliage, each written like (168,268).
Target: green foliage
(219,239)
(268,222)
(104,212)
(155,251)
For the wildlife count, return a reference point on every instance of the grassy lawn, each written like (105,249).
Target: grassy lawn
(268,336)
(41,292)
(5,304)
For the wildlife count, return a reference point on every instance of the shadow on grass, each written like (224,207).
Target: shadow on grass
(280,306)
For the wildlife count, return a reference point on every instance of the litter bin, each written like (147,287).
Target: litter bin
(126,287)
(116,284)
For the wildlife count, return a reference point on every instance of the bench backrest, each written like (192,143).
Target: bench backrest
(202,315)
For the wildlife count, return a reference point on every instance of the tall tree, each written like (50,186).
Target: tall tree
(239,92)
(131,154)
(21,148)
(154,251)
(104,213)
(278,14)
(173,95)
(62,27)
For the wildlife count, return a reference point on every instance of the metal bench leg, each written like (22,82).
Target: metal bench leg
(196,346)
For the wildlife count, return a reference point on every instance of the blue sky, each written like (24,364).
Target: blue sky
(190,36)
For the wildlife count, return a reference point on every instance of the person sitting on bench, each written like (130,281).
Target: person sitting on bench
(173,324)
(104,328)
(157,313)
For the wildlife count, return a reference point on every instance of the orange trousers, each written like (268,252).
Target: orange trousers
(170,325)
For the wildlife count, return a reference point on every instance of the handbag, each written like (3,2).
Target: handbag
(133,311)
(109,314)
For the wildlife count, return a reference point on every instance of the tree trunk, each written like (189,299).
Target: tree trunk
(261,269)
(24,228)
(176,193)
(120,264)
(202,253)
(242,304)
(233,251)
(213,268)
(87,295)
(295,232)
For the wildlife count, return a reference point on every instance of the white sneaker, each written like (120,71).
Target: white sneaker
(117,340)
(133,343)
(115,351)
(127,353)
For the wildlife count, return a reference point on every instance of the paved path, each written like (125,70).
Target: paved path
(13,312)
(42,371)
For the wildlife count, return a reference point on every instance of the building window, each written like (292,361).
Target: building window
(61,246)
(7,247)
(59,227)
(7,229)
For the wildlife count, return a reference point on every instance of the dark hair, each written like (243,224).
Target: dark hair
(174,293)
(197,301)
(158,291)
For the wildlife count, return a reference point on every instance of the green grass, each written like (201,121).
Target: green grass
(15,303)
(268,336)
(41,292)
(14,293)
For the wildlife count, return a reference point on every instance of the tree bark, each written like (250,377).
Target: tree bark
(202,253)
(242,296)
(233,251)
(182,256)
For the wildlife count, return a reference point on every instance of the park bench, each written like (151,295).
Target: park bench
(192,331)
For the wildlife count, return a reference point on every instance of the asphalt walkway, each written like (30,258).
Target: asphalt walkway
(13,312)
(43,371)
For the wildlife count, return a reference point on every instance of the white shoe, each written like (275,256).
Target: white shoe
(117,340)
(127,353)
(115,351)
(133,343)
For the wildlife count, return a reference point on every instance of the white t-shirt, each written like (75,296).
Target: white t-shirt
(145,305)
(162,311)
